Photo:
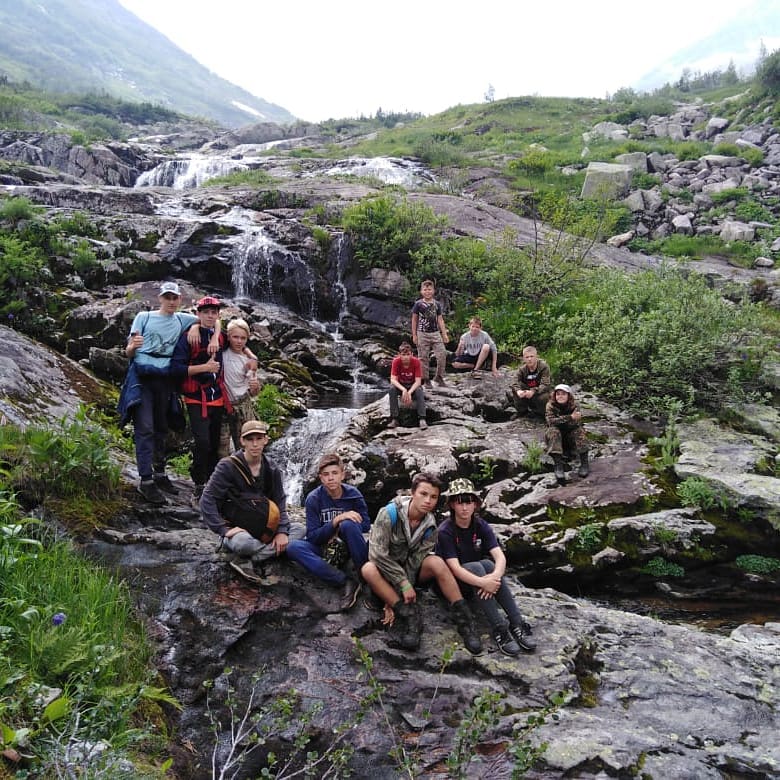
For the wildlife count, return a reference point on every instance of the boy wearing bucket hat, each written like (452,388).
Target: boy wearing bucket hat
(564,434)
(470,548)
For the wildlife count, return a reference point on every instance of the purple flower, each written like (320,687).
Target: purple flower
(58,619)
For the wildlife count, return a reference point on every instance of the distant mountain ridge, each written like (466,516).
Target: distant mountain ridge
(98,45)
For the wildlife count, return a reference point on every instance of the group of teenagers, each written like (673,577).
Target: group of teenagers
(240,492)
(532,394)
(402,550)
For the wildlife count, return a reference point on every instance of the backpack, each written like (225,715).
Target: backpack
(250,510)
(392,513)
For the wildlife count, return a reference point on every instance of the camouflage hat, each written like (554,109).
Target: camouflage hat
(462,487)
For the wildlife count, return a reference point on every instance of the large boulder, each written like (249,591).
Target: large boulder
(606,180)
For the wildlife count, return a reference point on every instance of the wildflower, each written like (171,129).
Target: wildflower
(58,619)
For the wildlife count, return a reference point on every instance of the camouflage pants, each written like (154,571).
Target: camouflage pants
(243,410)
(570,441)
(535,405)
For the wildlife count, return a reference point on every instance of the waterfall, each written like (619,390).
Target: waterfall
(185,173)
(304,442)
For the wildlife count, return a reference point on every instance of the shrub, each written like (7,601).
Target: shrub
(532,461)
(647,338)
(768,73)
(660,567)
(697,492)
(69,460)
(14,210)
(758,564)
(386,231)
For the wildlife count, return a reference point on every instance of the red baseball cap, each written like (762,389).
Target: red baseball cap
(207,302)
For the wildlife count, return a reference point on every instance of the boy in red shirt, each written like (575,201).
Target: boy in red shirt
(406,384)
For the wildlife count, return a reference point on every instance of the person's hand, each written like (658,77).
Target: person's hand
(576,415)
(280,543)
(351,516)
(254,386)
(213,347)
(251,365)
(388,618)
(211,366)
(193,335)
(136,342)
(406,398)
(409,596)
(233,531)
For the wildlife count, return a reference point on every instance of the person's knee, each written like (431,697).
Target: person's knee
(475,567)
(369,572)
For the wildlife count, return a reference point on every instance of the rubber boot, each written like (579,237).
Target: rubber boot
(560,471)
(584,469)
(407,626)
(464,622)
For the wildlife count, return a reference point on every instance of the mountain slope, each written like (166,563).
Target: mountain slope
(81,45)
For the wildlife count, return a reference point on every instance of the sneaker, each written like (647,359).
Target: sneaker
(427,383)
(439,380)
(245,569)
(349,595)
(164,483)
(151,492)
(198,492)
(392,424)
(521,637)
(505,641)
(423,424)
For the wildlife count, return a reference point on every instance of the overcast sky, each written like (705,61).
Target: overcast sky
(345,58)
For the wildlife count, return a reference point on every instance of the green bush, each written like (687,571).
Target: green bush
(69,460)
(768,73)
(660,567)
(14,210)
(386,230)
(646,338)
(758,564)
(697,492)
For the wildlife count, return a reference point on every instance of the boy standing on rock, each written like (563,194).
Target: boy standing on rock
(429,333)
(401,555)
(153,337)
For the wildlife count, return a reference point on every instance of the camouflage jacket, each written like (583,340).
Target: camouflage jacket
(396,552)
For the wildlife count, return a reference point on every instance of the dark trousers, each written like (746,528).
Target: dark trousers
(150,423)
(205,448)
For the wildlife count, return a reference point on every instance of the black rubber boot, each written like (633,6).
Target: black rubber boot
(584,469)
(407,626)
(560,471)
(464,622)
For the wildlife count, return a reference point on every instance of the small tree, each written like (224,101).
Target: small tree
(768,73)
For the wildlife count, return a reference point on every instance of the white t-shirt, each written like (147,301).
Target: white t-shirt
(236,378)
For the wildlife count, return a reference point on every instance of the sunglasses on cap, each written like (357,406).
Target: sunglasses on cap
(465,498)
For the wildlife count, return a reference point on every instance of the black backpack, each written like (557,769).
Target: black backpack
(250,510)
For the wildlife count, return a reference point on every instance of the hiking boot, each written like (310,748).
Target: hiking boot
(164,483)
(560,471)
(520,636)
(245,569)
(349,595)
(423,424)
(427,383)
(407,627)
(510,397)
(439,381)
(392,424)
(464,622)
(151,492)
(584,469)
(505,641)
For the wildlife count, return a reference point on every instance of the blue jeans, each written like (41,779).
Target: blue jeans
(150,425)
(489,606)
(309,556)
